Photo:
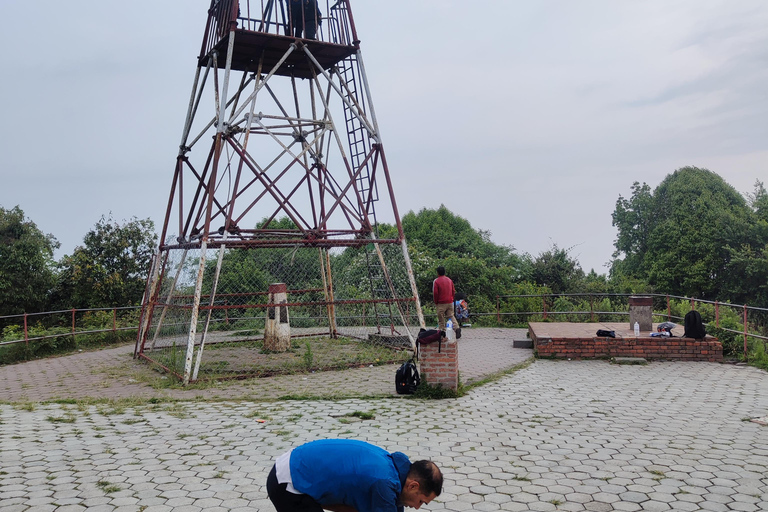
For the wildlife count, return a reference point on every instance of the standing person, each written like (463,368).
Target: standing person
(305,16)
(442,293)
(345,475)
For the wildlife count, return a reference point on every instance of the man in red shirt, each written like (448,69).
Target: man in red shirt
(443,292)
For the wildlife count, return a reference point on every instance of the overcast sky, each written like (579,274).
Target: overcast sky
(527,118)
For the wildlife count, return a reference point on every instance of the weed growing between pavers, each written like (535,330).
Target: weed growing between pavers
(68,418)
(107,487)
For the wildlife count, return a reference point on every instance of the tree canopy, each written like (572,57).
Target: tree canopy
(690,236)
(557,271)
(26,263)
(110,268)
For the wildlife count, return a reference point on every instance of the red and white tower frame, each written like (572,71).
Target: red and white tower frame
(280,149)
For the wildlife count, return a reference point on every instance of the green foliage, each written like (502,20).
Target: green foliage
(26,264)
(758,200)
(55,339)
(758,354)
(695,235)
(556,270)
(445,234)
(110,268)
(434,392)
(308,357)
(477,266)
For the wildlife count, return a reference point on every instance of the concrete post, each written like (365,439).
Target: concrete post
(641,311)
(277,328)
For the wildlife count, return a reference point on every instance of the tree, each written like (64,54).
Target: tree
(634,219)
(748,265)
(556,270)
(110,268)
(445,234)
(758,200)
(26,263)
(681,237)
(478,267)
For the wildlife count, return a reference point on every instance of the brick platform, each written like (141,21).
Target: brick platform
(578,341)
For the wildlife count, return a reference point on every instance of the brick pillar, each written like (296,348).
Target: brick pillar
(641,311)
(439,364)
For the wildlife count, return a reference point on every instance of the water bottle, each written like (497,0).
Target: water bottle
(637,329)
(450,335)
(449,324)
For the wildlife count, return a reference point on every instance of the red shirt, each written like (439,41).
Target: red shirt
(443,290)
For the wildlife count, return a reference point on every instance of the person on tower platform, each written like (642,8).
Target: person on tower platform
(305,17)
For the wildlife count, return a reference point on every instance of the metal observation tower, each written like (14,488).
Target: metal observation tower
(272,219)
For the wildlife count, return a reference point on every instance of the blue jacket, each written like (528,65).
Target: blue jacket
(349,472)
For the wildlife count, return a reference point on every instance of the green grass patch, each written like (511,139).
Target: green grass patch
(107,487)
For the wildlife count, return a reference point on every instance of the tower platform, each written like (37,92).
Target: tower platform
(251,47)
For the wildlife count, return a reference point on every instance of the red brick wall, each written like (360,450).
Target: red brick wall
(440,368)
(684,349)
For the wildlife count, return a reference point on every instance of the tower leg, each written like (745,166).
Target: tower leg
(146,312)
(193,317)
(412,280)
(210,310)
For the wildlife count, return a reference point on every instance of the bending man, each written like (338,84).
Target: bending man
(344,475)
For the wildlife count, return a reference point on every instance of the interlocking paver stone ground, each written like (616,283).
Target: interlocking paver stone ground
(113,374)
(555,435)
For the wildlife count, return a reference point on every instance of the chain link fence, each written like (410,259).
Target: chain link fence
(342,307)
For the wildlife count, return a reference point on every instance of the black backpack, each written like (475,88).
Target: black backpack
(694,327)
(407,378)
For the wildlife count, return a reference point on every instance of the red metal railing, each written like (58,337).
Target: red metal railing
(753,320)
(55,320)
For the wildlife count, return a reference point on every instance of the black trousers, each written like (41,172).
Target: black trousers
(285,501)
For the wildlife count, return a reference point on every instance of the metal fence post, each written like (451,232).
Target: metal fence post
(745,333)
(26,332)
(114,319)
(669,310)
(498,310)
(717,314)
(544,302)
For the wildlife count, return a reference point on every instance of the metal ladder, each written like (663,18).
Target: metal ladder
(359,148)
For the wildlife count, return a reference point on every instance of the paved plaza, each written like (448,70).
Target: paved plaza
(552,435)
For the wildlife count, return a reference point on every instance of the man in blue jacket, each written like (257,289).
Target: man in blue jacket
(345,475)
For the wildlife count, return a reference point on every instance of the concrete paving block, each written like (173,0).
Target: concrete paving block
(598,506)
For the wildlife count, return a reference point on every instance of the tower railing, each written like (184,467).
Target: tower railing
(273,17)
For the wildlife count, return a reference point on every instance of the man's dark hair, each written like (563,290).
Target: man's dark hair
(428,475)
(441,271)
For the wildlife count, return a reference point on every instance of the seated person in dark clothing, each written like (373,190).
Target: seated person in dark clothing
(305,17)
